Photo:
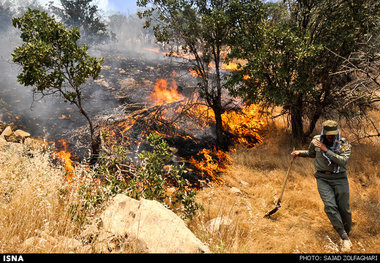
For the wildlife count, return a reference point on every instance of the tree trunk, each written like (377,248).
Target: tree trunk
(296,123)
(322,101)
(313,122)
(220,136)
(95,141)
(217,101)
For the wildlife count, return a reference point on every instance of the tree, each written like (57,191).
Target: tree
(85,16)
(291,60)
(201,29)
(53,62)
(362,93)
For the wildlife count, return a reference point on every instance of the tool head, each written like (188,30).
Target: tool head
(274,210)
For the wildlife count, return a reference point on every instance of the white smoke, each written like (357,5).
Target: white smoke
(51,113)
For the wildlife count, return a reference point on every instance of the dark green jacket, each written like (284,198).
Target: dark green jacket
(322,164)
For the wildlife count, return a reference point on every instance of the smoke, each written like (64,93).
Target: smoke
(18,105)
(133,52)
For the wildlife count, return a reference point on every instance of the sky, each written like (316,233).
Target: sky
(124,7)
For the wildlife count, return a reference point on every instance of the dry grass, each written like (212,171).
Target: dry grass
(32,201)
(300,226)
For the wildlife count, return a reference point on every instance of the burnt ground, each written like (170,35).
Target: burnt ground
(124,80)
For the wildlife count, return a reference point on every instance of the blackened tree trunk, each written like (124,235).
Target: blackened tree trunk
(298,135)
(219,130)
(95,140)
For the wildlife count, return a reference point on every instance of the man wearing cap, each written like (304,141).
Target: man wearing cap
(331,153)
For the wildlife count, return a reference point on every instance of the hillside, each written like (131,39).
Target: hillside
(252,188)
(35,199)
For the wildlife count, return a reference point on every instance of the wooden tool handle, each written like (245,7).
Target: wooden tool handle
(286,179)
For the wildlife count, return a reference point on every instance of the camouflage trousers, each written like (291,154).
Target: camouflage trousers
(335,196)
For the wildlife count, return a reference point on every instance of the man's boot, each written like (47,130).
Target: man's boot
(345,242)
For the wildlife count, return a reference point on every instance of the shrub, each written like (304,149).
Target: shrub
(155,179)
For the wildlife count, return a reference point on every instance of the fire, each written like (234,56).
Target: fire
(242,126)
(212,164)
(230,66)
(245,125)
(154,50)
(193,73)
(65,157)
(184,56)
(163,93)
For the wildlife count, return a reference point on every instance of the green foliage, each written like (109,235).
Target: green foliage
(151,181)
(201,28)
(98,185)
(53,62)
(291,56)
(50,56)
(156,176)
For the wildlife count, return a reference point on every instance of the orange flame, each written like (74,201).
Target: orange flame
(230,66)
(65,157)
(154,50)
(214,162)
(193,73)
(245,125)
(163,93)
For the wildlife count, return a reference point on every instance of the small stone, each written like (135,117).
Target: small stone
(215,224)
(235,190)
(244,183)
(21,135)
(7,132)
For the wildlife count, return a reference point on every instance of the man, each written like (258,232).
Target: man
(331,153)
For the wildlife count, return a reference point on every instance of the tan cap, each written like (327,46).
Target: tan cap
(330,127)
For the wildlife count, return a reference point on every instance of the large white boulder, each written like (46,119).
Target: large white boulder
(149,224)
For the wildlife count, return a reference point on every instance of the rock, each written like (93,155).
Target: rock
(21,135)
(102,82)
(148,226)
(214,225)
(173,149)
(107,242)
(244,183)
(35,144)
(3,142)
(128,83)
(9,135)
(235,190)
(7,132)
(45,242)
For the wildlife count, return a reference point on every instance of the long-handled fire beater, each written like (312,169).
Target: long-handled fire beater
(278,205)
